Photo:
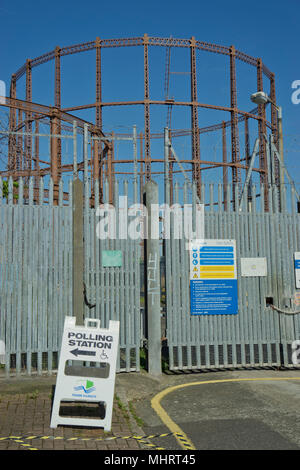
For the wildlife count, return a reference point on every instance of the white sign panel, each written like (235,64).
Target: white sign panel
(297,269)
(251,267)
(80,383)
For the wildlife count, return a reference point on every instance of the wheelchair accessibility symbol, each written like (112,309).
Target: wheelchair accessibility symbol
(103,355)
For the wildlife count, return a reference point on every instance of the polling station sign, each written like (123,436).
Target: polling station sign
(86,371)
(213,277)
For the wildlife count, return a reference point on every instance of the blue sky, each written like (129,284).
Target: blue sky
(267,29)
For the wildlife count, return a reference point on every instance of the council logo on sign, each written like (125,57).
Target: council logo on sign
(86,389)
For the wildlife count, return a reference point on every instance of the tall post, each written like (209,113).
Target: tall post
(141,168)
(171,163)
(134,137)
(274,122)
(261,134)
(98,84)
(95,153)
(153,279)
(36,156)
(110,169)
(28,118)
(19,162)
(12,141)
(54,157)
(75,167)
(194,115)
(247,156)
(225,167)
(236,172)
(167,167)
(57,102)
(281,171)
(78,258)
(147,110)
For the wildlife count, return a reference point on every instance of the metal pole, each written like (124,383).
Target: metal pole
(281,170)
(135,163)
(166,155)
(75,170)
(153,280)
(78,262)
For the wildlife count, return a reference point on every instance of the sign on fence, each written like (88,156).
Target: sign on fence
(254,267)
(91,384)
(213,277)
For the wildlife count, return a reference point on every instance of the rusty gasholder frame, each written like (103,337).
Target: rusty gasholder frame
(24,160)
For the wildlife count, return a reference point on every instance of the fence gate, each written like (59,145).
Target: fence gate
(112,273)
(257,335)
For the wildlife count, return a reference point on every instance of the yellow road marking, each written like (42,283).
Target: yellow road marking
(180,436)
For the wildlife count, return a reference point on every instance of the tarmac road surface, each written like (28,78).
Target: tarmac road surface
(253,414)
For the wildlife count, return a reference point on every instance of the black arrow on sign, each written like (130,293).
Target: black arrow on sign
(77,352)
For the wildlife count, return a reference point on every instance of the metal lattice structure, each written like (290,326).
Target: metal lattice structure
(23,159)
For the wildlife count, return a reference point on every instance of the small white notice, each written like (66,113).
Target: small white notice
(91,385)
(252,267)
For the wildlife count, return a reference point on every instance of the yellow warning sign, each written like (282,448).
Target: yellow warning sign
(195,276)
(195,269)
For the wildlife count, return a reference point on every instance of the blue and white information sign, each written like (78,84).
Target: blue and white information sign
(297,269)
(213,277)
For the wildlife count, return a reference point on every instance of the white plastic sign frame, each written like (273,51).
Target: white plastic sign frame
(92,344)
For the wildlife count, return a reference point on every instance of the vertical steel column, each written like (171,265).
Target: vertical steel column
(98,149)
(57,101)
(274,122)
(261,133)
(36,156)
(103,173)
(171,160)
(98,84)
(225,168)
(75,162)
(247,157)
(12,150)
(108,175)
(194,119)
(236,172)
(141,168)
(112,170)
(135,179)
(147,111)
(57,87)
(19,162)
(28,118)
(54,157)
(95,162)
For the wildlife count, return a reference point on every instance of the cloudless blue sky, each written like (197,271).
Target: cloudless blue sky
(265,28)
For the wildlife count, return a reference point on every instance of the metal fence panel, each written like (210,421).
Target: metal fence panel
(257,335)
(36,279)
